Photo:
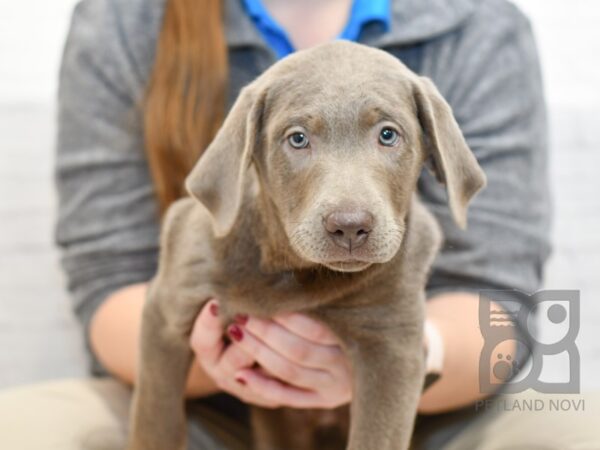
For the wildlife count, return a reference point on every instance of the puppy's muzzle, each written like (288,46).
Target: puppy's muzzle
(349,229)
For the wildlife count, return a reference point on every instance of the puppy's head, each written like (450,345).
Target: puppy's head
(338,135)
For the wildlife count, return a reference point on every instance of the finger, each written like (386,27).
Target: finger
(307,327)
(276,364)
(235,385)
(233,359)
(207,334)
(292,346)
(275,392)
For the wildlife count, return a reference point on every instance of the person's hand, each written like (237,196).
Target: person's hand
(291,360)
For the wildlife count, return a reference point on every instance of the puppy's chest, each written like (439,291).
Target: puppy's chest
(246,287)
(251,290)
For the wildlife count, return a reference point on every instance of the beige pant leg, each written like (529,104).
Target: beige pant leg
(88,414)
(91,414)
(534,421)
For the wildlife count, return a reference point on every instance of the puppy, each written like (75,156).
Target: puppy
(305,201)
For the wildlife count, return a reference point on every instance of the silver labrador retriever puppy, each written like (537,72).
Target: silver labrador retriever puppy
(305,201)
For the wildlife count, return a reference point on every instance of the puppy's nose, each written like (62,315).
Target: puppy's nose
(349,229)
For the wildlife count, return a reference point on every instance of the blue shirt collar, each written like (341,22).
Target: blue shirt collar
(361,13)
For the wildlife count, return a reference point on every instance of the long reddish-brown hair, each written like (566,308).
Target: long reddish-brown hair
(185,97)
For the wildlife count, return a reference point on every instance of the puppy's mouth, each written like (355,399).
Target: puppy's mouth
(348,265)
(314,246)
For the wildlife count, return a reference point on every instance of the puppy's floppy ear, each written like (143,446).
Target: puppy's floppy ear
(453,161)
(217,180)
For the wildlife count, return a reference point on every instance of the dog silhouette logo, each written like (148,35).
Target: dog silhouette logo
(540,326)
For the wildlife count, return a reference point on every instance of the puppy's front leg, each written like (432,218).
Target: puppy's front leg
(388,377)
(158,419)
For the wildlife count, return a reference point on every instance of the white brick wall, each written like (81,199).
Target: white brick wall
(34,319)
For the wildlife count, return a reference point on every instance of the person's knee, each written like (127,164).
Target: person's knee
(75,414)
(534,421)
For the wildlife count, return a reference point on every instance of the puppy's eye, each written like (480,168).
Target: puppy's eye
(388,137)
(298,140)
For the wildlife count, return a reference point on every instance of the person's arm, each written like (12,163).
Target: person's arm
(108,225)
(114,335)
(455,315)
(489,73)
(491,79)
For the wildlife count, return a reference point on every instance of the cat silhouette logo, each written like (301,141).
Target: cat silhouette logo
(549,324)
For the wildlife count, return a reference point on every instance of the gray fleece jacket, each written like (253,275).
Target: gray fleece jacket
(480,54)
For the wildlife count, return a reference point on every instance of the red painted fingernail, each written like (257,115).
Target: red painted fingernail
(241,381)
(241,319)
(214,309)
(235,332)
